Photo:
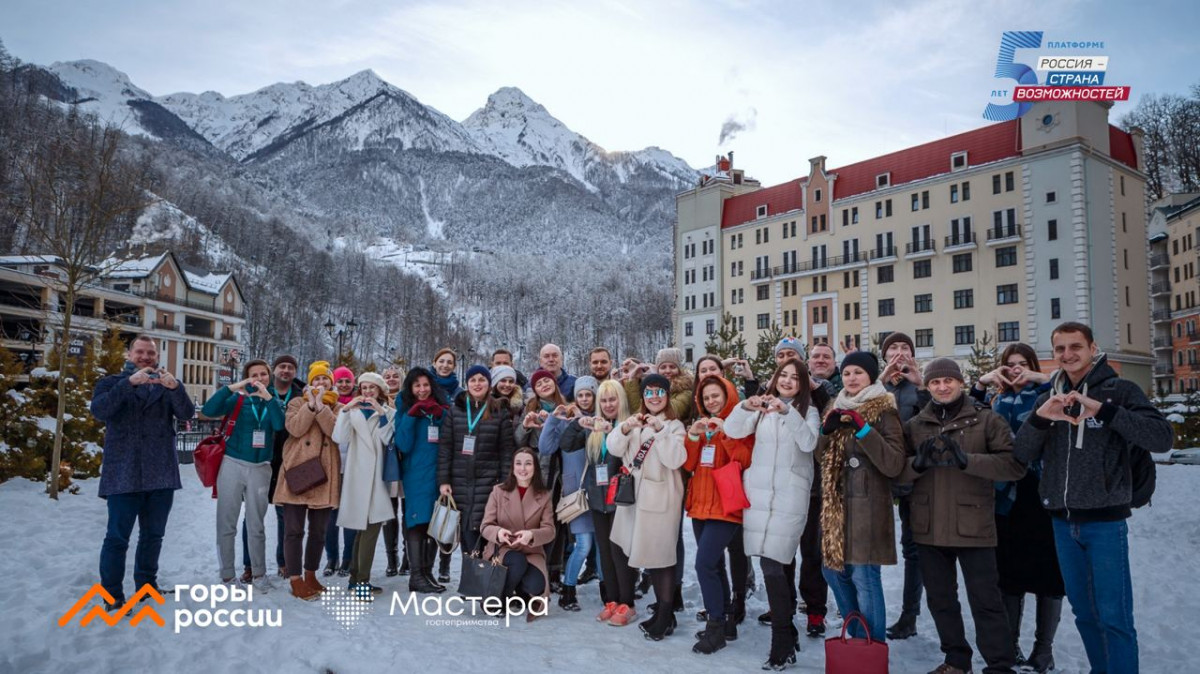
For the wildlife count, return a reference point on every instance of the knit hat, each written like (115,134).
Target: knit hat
(586,383)
(790,343)
(657,381)
(864,359)
(539,375)
(670,355)
(286,358)
(892,339)
(501,372)
(942,367)
(343,372)
(478,369)
(319,368)
(373,378)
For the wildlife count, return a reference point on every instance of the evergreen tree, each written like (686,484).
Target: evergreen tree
(982,359)
(763,363)
(726,342)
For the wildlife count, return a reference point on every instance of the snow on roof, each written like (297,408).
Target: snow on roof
(136,268)
(29,259)
(208,283)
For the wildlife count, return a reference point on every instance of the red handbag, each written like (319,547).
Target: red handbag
(855,656)
(728,479)
(211,450)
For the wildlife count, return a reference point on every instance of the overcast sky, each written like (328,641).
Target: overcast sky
(850,80)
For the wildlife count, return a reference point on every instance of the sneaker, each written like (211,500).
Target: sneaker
(330,568)
(622,616)
(262,584)
(609,609)
(816,626)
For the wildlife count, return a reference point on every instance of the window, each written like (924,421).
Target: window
(924,199)
(1055,308)
(1006,294)
(1052,230)
(954,194)
(923,338)
(1010,331)
(761,211)
(1122,185)
(962,262)
(741,323)
(758,236)
(923,304)
(1008,182)
(887,207)
(878,210)
(885,274)
(764,321)
(824,227)
(922,269)
(854,215)
(710,326)
(958,161)
(688,354)
(766,235)
(885,179)
(764,292)
(1053,268)
(964,335)
(1051,197)
(966,191)
(964,299)
(1006,256)
(817,194)
(887,307)
(845,218)
(687,329)
(785,230)
(916,202)
(996,184)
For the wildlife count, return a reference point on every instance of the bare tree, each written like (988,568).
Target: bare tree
(73,199)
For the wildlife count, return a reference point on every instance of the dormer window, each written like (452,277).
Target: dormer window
(761,212)
(817,195)
(883,180)
(958,161)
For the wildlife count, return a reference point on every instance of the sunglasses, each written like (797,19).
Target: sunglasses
(654,393)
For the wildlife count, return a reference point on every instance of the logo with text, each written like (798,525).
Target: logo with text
(228,606)
(1061,72)
(98,610)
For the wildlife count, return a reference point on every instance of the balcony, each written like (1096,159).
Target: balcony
(1162,370)
(1159,260)
(1160,288)
(961,240)
(1162,342)
(1001,234)
(884,252)
(191,304)
(760,274)
(820,264)
(1160,315)
(926,247)
(170,327)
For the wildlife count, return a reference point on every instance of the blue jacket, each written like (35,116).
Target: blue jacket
(566,385)
(139,433)
(558,436)
(413,460)
(256,414)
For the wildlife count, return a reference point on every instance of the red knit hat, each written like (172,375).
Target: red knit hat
(343,372)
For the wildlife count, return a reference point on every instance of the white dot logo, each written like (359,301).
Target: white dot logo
(346,606)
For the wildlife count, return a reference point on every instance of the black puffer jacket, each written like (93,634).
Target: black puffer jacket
(473,476)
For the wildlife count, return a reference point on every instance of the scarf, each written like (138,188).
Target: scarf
(871,403)
(331,397)
(449,383)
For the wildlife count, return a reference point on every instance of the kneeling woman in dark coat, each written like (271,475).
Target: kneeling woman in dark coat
(518,523)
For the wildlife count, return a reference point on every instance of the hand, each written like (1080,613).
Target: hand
(913,373)
(957,456)
(142,376)
(628,365)
(1026,377)
(524,537)
(587,422)
(563,412)
(353,404)
(167,379)
(504,537)
(698,427)
(715,424)
(891,372)
(1001,376)
(755,404)
(853,420)
(634,421)
(601,425)
(924,459)
(235,387)
(531,421)
(776,405)
(655,423)
(1088,407)
(643,369)
(262,393)
(1055,408)
(374,404)
(446,490)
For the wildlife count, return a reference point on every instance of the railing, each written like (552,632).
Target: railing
(928,245)
(821,263)
(1160,260)
(963,239)
(191,304)
(199,331)
(759,274)
(999,233)
(1161,315)
(1160,288)
(886,251)
(1162,342)
(189,433)
(1164,369)
(171,327)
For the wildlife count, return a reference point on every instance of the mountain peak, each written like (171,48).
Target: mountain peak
(512,98)
(95,79)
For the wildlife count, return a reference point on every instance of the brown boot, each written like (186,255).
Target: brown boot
(310,579)
(302,590)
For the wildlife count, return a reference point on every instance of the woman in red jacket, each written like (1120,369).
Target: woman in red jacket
(715,525)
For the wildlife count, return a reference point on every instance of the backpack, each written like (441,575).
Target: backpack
(1144,476)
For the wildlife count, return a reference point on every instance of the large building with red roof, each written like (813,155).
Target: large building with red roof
(1008,229)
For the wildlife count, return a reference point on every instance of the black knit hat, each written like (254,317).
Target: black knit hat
(864,359)
(655,380)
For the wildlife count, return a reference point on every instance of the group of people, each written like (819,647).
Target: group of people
(1022,480)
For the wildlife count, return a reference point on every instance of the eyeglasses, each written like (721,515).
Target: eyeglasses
(654,393)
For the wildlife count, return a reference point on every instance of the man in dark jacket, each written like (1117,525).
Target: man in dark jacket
(902,378)
(1086,430)
(550,359)
(956,453)
(505,357)
(140,472)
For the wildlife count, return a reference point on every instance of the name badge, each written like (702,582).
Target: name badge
(258,439)
(433,433)
(601,475)
(707,455)
(468,445)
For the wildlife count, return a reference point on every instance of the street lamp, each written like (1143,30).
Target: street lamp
(341,334)
(33,336)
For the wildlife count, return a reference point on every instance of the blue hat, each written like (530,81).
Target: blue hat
(790,343)
(478,369)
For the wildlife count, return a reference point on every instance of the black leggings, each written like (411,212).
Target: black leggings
(780,580)
(664,588)
(622,580)
(294,517)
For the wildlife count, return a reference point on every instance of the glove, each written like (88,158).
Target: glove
(925,452)
(428,406)
(852,419)
(957,458)
(833,421)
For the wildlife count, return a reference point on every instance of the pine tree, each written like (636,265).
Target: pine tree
(982,359)
(763,363)
(726,342)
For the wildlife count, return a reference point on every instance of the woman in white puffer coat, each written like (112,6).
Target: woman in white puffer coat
(786,427)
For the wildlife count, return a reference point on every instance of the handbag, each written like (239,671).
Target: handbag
(728,479)
(621,490)
(482,578)
(305,476)
(211,450)
(855,656)
(443,524)
(573,505)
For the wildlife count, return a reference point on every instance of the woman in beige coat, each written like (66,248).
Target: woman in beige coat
(650,444)
(309,424)
(365,426)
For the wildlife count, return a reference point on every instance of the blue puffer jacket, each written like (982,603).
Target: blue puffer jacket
(139,435)
(412,460)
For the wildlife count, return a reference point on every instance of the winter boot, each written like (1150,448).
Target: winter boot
(420,579)
(567,600)
(783,647)
(712,639)
(738,611)
(310,577)
(644,626)
(443,575)
(765,619)
(393,563)
(330,567)
(662,626)
(1049,612)
(903,628)
(344,569)
(816,626)
(302,590)
(730,627)
(677,603)
(405,567)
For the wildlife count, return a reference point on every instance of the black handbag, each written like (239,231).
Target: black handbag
(482,577)
(624,492)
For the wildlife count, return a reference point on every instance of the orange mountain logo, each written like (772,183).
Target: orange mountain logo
(98,611)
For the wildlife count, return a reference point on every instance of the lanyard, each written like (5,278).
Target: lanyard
(708,437)
(259,412)
(472,423)
(285,399)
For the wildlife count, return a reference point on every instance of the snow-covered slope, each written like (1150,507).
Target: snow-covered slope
(105,92)
(255,123)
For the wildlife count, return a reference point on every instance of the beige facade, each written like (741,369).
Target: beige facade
(1009,229)
(1175,292)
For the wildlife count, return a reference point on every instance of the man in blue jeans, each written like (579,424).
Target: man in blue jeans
(1086,430)
(139,473)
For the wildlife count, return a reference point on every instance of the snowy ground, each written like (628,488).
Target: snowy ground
(54,551)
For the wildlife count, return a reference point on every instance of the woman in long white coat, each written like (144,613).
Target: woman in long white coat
(786,427)
(650,445)
(365,425)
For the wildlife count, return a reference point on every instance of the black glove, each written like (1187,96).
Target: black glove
(833,421)
(957,458)
(926,452)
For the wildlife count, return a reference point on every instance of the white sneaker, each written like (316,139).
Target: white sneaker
(262,584)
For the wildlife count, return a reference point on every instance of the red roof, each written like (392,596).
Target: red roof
(1121,147)
(779,199)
